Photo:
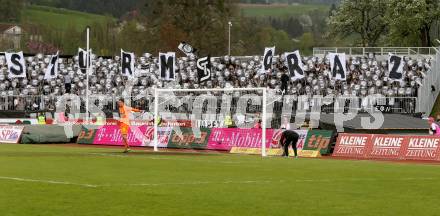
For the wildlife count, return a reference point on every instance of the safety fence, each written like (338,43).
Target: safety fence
(186,104)
(382,51)
(429,91)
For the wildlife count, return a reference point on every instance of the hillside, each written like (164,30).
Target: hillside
(280,10)
(60,18)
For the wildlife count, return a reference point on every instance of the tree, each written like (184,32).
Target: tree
(332,9)
(204,23)
(294,27)
(363,17)
(306,42)
(411,21)
(10,11)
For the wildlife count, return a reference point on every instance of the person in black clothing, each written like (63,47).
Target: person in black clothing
(289,137)
(67,83)
(284,83)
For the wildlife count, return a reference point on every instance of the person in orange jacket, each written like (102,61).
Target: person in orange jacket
(124,121)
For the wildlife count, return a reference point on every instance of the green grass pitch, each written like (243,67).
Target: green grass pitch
(60,18)
(60,180)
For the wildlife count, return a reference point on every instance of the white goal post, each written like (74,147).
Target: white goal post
(166,98)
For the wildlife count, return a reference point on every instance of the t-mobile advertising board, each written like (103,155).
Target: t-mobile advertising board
(226,138)
(137,136)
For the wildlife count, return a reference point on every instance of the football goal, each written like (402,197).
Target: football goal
(190,112)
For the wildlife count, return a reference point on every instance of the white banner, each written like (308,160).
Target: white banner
(295,65)
(16,65)
(127,63)
(186,48)
(52,68)
(269,52)
(338,66)
(10,133)
(204,69)
(167,66)
(395,67)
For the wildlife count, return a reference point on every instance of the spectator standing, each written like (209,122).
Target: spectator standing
(67,83)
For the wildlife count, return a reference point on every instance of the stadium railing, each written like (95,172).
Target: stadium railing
(108,104)
(364,51)
(428,93)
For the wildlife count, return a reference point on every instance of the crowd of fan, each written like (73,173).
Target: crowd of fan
(367,75)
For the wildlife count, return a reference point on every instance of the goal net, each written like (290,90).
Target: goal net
(208,118)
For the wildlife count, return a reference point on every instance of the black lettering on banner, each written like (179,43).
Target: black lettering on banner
(16,64)
(82,59)
(16,61)
(204,69)
(337,68)
(53,65)
(293,65)
(127,64)
(395,73)
(52,69)
(268,58)
(167,65)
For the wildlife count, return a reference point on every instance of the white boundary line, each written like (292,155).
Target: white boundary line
(163,158)
(210,182)
(46,181)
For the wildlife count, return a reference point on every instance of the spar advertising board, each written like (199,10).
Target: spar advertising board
(275,147)
(10,133)
(377,146)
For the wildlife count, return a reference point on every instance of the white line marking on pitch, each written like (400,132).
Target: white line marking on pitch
(164,158)
(47,181)
(106,154)
(208,182)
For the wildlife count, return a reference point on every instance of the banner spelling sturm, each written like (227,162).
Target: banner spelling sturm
(16,65)
(52,68)
(82,59)
(127,63)
(167,66)
(204,69)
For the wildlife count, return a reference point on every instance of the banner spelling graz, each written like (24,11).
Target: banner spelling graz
(375,146)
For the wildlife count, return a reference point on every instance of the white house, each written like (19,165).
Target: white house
(11,35)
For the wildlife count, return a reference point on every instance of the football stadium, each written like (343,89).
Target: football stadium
(235,107)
